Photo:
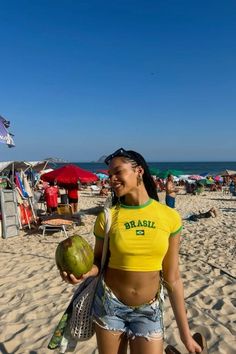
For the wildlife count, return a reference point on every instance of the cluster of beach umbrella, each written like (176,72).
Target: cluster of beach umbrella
(206,178)
(72,174)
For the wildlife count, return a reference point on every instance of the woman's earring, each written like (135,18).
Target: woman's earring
(139,180)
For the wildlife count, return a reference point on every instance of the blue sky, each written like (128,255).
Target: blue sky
(80,79)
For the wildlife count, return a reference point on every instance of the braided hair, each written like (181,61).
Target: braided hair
(137,160)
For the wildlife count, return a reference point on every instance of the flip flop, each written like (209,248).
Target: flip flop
(200,339)
(171,350)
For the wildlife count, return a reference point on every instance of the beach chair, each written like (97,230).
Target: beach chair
(64,209)
(53,228)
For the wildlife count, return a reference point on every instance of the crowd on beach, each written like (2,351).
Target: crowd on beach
(53,195)
(201,202)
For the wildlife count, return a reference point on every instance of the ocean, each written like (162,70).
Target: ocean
(212,168)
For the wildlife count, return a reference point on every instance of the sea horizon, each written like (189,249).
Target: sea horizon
(187,167)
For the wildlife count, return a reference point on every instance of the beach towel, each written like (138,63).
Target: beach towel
(20,185)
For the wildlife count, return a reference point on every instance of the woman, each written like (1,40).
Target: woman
(212,213)
(144,243)
(73,197)
(51,194)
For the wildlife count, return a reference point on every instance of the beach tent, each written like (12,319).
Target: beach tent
(38,166)
(69,174)
(5,165)
(13,165)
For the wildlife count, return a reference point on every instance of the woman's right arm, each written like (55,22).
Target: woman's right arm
(70,278)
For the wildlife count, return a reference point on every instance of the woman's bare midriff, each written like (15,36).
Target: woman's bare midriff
(133,288)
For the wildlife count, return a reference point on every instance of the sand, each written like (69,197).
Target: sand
(33,296)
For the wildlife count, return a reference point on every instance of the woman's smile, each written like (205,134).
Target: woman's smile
(117,186)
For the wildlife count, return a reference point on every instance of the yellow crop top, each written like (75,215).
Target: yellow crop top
(139,235)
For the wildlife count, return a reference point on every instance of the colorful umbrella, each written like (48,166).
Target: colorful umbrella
(207,181)
(102,175)
(218,179)
(103,171)
(196,177)
(165,173)
(69,174)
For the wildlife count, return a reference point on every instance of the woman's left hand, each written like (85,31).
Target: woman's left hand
(191,345)
(70,278)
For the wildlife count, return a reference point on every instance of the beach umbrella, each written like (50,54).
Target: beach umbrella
(101,175)
(184,177)
(205,174)
(196,177)
(154,171)
(218,179)
(207,181)
(227,173)
(69,174)
(105,172)
(165,173)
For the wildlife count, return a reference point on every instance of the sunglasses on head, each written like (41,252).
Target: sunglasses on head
(118,153)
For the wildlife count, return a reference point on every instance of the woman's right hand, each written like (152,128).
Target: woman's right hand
(71,279)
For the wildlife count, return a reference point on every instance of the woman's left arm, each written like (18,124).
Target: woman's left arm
(176,293)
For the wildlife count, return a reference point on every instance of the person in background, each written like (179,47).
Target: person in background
(104,192)
(73,196)
(143,254)
(159,184)
(63,195)
(51,194)
(232,186)
(211,213)
(171,191)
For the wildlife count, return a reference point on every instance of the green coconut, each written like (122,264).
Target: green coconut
(74,255)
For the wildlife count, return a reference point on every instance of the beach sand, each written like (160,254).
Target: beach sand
(33,296)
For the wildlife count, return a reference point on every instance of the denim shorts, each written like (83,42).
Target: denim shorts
(170,201)
(136,321)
